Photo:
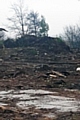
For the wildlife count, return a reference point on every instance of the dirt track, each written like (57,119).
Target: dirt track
(54,73)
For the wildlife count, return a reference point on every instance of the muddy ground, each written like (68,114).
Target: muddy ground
(21,70)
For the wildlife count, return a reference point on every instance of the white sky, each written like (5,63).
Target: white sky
(58,13)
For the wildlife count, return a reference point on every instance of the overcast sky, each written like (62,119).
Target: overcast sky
(58,13)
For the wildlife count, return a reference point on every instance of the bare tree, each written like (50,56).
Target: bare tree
(72,36)
(23,22)
(33,23)
(18,20)
(2,29)
(1,35)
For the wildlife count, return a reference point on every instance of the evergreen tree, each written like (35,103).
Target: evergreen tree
(44,27)
(36,25)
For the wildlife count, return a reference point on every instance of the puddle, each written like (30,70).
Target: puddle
(50,115)
(41,99)
(2,104)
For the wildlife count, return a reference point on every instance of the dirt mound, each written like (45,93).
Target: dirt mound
(42,44)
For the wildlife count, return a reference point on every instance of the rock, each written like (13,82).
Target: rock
(19,87)
(78,69)
(58,74)
(60,82)
(53,76)
(2,108)
(1,60)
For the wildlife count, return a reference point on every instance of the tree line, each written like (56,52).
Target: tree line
(23,22)
(33,24)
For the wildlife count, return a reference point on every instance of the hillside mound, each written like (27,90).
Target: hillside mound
(43,44)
